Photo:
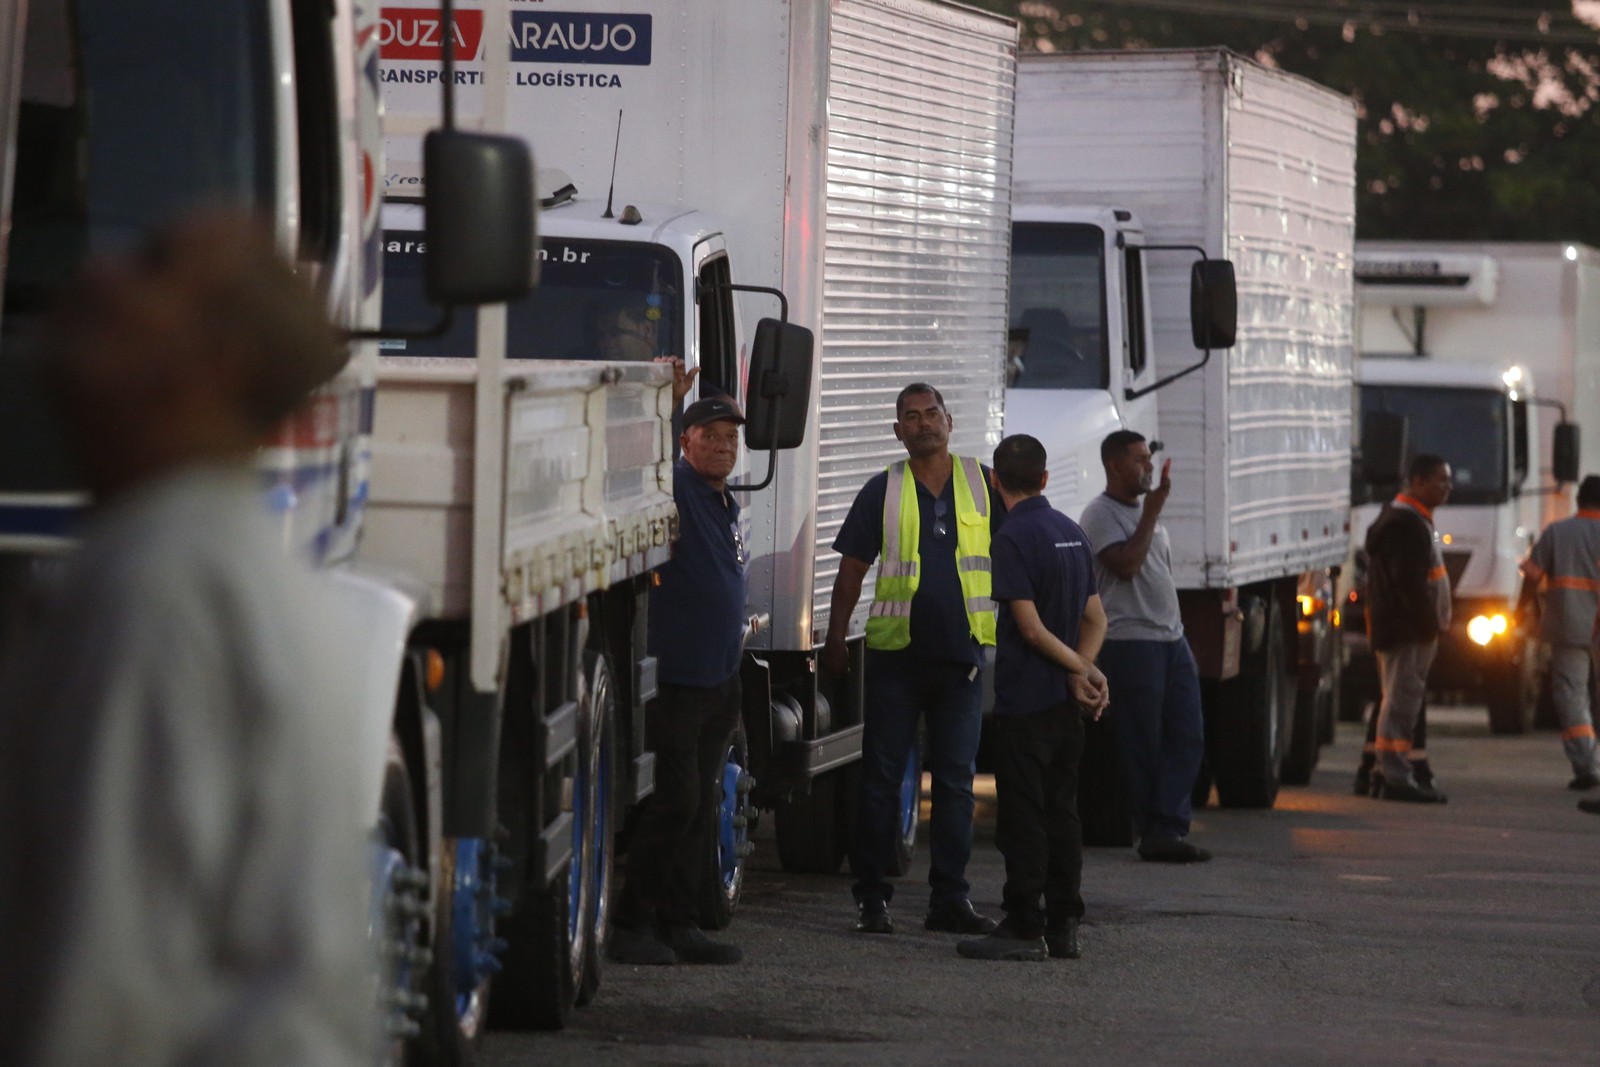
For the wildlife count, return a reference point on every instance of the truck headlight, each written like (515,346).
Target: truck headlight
(1485,628)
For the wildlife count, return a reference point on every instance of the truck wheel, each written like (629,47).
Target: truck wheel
(534,991)
(399,888)
(1305,742)
(905,844)
(1103,805)
(807,829)
(597,781)
(1253,717)
(1510,691)
(729,853)
(1358,688)
(465,953)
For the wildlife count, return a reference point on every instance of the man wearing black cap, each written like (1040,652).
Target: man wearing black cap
(697,621)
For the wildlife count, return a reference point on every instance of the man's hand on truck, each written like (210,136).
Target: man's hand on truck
(682,379)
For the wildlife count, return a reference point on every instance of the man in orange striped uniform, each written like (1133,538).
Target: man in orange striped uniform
(1408,607)
(1566,563)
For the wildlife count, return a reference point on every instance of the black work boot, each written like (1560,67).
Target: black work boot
(1005,942)
(1063,941)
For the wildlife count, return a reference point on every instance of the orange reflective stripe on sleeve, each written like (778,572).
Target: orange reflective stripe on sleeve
(1573,732)
(1436,575)
(1393,744)
(1588,585)
(1531,570)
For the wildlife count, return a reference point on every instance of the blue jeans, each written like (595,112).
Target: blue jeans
(1155,704)
(948,697)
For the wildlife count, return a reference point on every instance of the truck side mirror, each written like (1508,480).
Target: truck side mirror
(1383,447)
(1213,304)
(479,206)
(1564,459)
(778,395)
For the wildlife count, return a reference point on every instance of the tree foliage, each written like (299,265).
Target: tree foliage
(1477,120)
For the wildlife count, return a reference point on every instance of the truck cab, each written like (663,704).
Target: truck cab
(1477,418)
(1079,339)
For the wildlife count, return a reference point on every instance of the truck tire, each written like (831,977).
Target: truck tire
(1305,740)
(397,895)
(1510,691)
(534,990)
(1358,687)
(1252,722)
(729,853)
(464,940)
(1104,808)
(807,828)
(909,813)
(597,779)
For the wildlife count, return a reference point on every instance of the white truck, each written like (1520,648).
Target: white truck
(850,155)
(1129,167)
(1505,338)
(277,108)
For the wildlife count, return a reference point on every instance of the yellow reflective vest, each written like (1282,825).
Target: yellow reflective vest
(900,564)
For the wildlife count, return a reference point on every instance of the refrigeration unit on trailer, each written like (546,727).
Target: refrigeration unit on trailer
(1139,177)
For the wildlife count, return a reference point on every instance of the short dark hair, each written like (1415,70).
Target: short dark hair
(1019,463)
(1423,464)
(1589,492)
(912,390)
(1116,443)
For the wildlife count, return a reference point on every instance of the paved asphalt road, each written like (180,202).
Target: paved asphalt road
(1331,930)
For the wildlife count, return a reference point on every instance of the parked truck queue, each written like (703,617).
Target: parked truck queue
(810,203)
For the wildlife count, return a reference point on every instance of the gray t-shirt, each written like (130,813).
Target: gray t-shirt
(1144,607)
(1567,555)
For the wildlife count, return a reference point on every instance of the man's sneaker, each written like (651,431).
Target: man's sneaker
(1412,793)
(638,946)
(692,946)
(1583,780)
(1063,943)
(873,918)
(958,917)
(1171,850)
(1004,943)
(1592,806)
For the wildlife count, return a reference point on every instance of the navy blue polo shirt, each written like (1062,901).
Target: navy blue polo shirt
(697,612)
(1045,557)
(939,626)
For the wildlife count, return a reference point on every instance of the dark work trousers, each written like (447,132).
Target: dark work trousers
(1036,778)
(689,729)
(948,698)
(1155,706)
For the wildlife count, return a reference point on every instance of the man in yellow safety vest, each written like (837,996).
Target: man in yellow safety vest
(928,518)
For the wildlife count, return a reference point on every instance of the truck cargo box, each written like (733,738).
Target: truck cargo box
(1254,165)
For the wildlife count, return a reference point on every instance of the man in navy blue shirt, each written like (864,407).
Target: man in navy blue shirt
(697,622)
(1050,628)
(931,614)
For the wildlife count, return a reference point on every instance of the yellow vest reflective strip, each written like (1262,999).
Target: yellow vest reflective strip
(889,619)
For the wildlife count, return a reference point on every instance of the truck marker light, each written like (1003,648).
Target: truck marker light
(1447,539)
(433,670)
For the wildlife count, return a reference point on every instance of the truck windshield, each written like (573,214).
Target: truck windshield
(1466,426)
(1058,307)
(129,112)
(595,300)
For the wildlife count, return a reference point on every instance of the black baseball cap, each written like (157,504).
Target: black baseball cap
(711,409)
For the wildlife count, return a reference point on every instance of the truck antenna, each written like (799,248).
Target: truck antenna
(613,189)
